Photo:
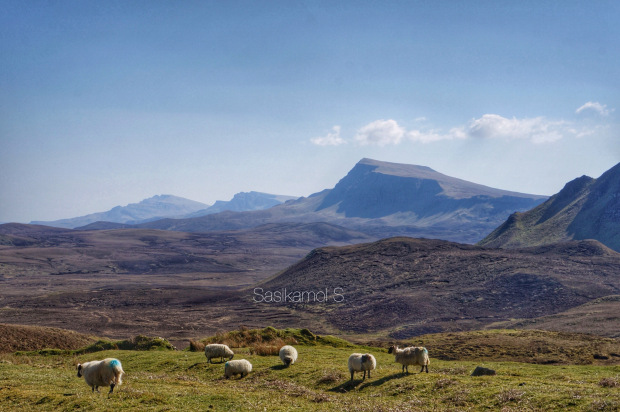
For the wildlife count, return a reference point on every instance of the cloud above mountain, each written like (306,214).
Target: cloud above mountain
(380,133)
(331,139)
(537,130)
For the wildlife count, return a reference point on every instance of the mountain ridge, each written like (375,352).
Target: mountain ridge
(384,199)
(152,208)
(585,208)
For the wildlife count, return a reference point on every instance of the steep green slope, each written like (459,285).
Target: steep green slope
(585,208)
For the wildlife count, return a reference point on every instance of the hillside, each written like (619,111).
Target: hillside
(384,200)
(115,282)
(585,208)
(319,379)
(30,338)
(229,258)
(415,286)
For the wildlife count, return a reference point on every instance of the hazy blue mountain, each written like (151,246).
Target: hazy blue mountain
(244,201)
(385,199)
(585,208)
(156,207)
(374,189)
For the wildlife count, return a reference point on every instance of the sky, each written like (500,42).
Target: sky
(106,103)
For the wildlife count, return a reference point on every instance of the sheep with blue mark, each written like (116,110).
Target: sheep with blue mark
(107,372)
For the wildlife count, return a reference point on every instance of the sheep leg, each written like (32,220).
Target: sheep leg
(426,368)
(368,374)
(352,375)
(111,388)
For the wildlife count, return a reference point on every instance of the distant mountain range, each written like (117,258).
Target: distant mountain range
(585,208)
(156,207)
(384,199)
(244,201)
(162,207)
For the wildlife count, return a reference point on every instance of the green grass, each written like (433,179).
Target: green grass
(319,380)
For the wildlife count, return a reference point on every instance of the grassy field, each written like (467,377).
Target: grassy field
(181,380)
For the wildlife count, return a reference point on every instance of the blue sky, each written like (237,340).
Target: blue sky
(108,103)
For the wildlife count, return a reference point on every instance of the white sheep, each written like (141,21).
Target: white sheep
(107,372)
(217,350)
(237,367)
(361,363)
(288,355)
(413,355)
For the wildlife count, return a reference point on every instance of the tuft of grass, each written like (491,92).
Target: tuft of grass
(330,377)
(510,395)
(271,348)
(609,383)
(196,346)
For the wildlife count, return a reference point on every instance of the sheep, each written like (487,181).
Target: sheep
(361,363)
(107,372)
(217,350)
(288,355)
(411,356)
(234,367)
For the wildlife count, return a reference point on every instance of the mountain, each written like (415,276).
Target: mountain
(585,208)
(415,286)
(156,207)
(385,199)
(244,201)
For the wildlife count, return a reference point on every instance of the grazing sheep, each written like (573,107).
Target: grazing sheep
(107,372)
(413,355)
(361,363)
(237,367)
(217,350)
(288,355)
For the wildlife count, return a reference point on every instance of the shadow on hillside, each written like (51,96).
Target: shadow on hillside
(383,380)
(346,387)
(278,367)
(350,385)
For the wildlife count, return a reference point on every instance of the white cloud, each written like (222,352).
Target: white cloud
(595,106)
(536,129)
(380,133)
(489,126)
(435,136)
(332,139)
